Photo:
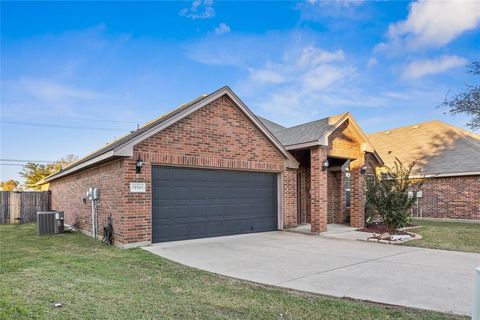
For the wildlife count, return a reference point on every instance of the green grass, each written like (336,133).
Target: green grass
(94,281)
(458,236)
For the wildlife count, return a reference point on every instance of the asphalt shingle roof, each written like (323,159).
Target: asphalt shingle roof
(307,132)
(272,126)
(435,146)
(112,145)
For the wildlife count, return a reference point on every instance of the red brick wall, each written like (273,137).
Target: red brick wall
(217,136)
(290,198)
(68,192)
(334,183)
(450,197)
(357,194)
(318,191)
(138,213)
(305,193)
(303,184)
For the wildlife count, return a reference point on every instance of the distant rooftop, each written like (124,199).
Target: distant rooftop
(435,146)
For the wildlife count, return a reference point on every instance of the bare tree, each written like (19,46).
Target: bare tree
(467,102)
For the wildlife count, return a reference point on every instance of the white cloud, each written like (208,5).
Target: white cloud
(200,9)
(289,76)
(304,76)
(340,3)
(322,11)
(420,68)
(372,61)
(324,76)
(311,55)
(222,28)
(433,23)
(48,90)
(264,76)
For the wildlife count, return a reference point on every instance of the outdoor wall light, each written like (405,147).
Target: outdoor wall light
(325,165)
(138,166)
(363,169)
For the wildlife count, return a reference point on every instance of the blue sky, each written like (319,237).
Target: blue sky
(76,75)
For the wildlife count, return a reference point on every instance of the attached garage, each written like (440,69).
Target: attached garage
(190,203)
(208,168)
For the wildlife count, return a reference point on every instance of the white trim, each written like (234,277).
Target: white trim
(323,141)
(126,149)
(80,166)
(446,219)
(303,145)
(453,174)
(280,200)
(188,166)
(369,147)
(324,137)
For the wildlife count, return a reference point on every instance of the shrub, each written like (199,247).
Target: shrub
(391,193)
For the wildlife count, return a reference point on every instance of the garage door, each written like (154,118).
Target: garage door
(197,203)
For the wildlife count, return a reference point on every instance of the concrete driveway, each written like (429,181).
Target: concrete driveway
(414,277)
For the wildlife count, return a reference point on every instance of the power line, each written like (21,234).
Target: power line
(25,160)
(71,118)
(13,164)
(60,126)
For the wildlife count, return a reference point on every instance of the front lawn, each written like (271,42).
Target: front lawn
(94,281)
(459,236)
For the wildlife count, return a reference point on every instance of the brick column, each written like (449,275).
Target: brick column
(357,202)
(289,198)
(318,190)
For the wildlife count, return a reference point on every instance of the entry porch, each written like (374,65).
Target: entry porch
(330,190)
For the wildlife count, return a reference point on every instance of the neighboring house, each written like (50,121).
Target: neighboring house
(446,157)
(211,167)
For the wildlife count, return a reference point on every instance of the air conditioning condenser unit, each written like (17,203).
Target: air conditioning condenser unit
(50,222)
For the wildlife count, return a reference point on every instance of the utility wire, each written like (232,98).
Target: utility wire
(70,118)
(60,126)
(25,160)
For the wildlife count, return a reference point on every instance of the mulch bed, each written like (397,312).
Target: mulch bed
(381,228)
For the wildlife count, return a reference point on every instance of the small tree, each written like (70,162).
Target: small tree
(9,185)
(392,193)
(36,172)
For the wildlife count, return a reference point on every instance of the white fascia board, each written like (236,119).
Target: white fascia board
(82,165)
(368,147)
(303,145)
(445,175)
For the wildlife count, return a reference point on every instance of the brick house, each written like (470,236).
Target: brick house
(211,167)
(446,159)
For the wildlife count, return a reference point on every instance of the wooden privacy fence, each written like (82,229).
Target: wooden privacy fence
(21,207)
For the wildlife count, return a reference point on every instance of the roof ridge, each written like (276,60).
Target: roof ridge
(310,122)
(270,121)
(403,127)
(197,99)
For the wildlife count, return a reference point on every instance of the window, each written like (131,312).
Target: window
(347,189)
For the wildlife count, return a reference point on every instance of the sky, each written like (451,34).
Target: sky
(76,75)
